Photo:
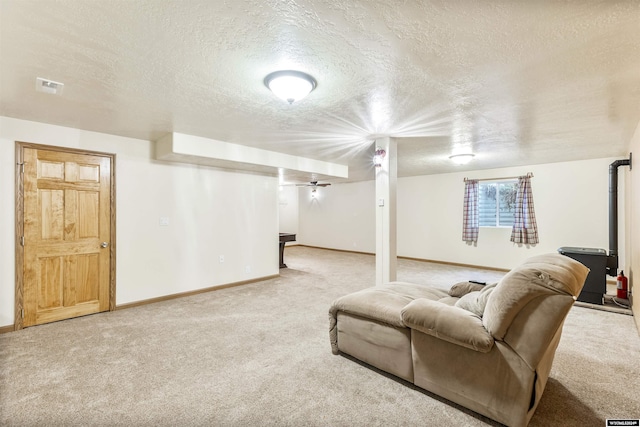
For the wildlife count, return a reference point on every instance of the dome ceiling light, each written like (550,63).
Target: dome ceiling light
(462,159)
(290,85)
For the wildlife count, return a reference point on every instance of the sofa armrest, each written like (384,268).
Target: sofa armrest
(449,323)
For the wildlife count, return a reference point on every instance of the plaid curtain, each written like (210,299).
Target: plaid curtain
(524,228)
(470,220)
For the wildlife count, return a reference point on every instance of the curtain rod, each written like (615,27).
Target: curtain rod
(529,174)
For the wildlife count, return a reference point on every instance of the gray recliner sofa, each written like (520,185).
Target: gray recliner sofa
(487,348)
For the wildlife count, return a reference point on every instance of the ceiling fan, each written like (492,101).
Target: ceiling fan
(313,184)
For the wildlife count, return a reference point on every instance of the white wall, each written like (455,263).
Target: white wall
(571,201)
(288,210)
(633,226)
(341,216)
(212,212)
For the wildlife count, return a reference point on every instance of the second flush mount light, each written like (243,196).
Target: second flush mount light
(462,159)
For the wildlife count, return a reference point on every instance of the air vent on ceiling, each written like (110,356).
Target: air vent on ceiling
(49,86)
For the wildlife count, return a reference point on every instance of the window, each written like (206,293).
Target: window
(497,203)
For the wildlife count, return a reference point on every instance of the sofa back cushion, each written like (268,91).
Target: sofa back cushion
(538,277)
(476,301)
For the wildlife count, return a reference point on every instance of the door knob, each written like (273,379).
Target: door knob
(104,244)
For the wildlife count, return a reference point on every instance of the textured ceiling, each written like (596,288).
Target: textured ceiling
(516,82)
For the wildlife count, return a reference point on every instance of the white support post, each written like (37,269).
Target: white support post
(386,177)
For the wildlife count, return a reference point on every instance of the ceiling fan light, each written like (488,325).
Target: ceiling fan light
(462,159)
(290,85)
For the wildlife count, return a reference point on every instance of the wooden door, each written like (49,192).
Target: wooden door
(67,235)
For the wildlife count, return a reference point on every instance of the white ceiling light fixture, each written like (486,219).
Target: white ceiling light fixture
(462,159)
(290,85)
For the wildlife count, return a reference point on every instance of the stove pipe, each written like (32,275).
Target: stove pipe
(612,260)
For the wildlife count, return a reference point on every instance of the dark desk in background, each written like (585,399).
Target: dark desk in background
(285,237)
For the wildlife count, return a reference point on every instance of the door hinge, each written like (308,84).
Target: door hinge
(21,167)
(22,240)
(22,312)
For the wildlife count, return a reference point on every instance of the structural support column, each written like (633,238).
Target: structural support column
(386,177)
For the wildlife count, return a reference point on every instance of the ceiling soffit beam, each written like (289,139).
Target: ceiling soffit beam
(179,147)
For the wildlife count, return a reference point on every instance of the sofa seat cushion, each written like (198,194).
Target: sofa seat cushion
(385,303)
(449,300)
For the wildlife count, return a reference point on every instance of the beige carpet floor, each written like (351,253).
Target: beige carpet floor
(259,355)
